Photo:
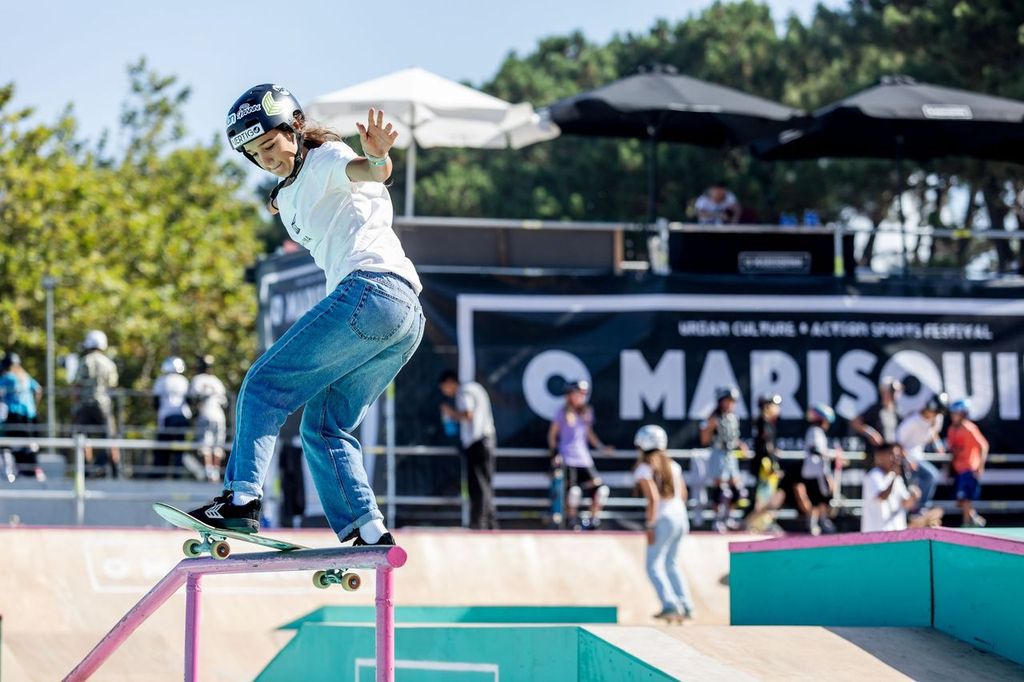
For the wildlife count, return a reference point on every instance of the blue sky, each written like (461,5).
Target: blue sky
(61,52)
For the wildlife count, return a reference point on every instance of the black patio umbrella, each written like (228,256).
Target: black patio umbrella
(901,118)
(658,105)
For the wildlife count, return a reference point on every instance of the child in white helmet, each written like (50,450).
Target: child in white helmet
(341,355)
(660,480)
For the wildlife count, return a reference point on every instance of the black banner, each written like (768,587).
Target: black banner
(656,348)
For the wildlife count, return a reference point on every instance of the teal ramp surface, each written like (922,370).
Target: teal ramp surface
(322,652)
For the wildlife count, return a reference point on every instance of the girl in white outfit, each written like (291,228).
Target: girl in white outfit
(661,481)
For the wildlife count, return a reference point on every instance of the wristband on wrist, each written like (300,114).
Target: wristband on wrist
(377,160)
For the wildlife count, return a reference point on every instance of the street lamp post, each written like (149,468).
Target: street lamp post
(49,283)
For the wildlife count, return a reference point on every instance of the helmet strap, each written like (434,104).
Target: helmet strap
(300,157)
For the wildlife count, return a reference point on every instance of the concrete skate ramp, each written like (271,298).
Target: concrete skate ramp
(809,653)
(61,590)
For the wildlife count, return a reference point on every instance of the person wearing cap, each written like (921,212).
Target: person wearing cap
(915,433)
(19,394)
(816,470)
(885,498)
(477,434)
(210,398)
(660,481)
(94,411)
(173,415)
(879,422)
(969,450)
(570,437)
(767,467)
(721,431)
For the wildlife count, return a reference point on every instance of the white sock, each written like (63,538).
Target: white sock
(241,498)
(372,531)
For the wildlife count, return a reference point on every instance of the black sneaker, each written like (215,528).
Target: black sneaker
(221,513)
(385,540)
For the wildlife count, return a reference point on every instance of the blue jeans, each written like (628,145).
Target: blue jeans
(927,479)
(335,360)
(662,566)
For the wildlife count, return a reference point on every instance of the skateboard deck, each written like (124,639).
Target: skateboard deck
(214,542)
(557,495)
(182,520)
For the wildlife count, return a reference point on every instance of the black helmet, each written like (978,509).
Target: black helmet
(724,392)
(937,403)
(205,363)
(581,385)
(259,110)
(769,399)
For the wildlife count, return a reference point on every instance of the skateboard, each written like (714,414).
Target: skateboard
(557,495)
(214,542)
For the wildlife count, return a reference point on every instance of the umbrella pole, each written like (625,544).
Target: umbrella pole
(410,179)
(899,210)
(652,179)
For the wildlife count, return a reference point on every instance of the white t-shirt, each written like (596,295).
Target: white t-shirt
(887,514)
(711,212)
(473,398)
(915,432)
(211,394)
(172,389)
(673,505)
(345,225)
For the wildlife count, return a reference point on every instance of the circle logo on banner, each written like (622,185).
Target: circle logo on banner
(912,363)
(540,371)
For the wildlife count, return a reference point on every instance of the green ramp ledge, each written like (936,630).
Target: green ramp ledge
(440,615)
(963,583)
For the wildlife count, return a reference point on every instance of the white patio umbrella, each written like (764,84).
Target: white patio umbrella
(431,111)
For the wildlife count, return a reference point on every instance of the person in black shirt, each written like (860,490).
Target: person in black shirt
(767,468)
(878,423)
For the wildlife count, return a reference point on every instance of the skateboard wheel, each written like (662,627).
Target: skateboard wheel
(350,582)
(220,550)
(320,580)
(191,548)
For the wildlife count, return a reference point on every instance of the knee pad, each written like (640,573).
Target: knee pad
(573,498)
(601,495)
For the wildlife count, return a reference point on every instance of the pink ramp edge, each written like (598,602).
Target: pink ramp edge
(379,558)
(955,537)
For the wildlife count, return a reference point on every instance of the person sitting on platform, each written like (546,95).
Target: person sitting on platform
(717,206)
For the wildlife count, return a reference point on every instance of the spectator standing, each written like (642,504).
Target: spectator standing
(569,439)
(879,422)
(170,397)
(767,467)
(477,435)
(210,399)
(969,449)
(94,411)
(20,393)
(718,206)
(816,470)
(661,482)
(721,431)
(915,433)
(885,497)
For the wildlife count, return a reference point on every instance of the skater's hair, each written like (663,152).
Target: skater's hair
(571,413)
(315,135)
(659,462)
(447,375)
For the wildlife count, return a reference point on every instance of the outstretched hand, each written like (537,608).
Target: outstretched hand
(377,138)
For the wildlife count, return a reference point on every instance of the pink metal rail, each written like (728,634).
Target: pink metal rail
(190,572)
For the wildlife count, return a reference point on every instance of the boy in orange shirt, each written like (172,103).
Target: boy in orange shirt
(970,450)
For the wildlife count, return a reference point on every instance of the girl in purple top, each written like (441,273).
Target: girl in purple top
(569,438)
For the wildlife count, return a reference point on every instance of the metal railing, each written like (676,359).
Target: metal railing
(619,507)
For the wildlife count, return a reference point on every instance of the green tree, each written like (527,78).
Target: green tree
(150,247)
